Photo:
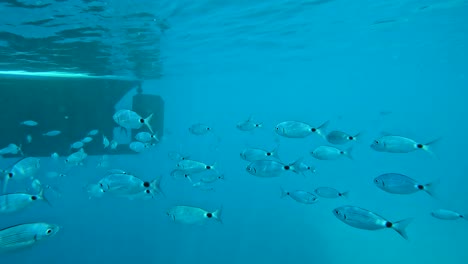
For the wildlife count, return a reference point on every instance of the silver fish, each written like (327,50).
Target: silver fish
(180,174)
(146,137)
(25,235)
(212,177)
(55,156)
(52,133)
(193,215)
(302,167)
(193,166)
(330,153)
(93,132)
(14,202)
(138,146)
(25,168)
(199,129)
(300,196)
(328,192)
(268,168)
(130,120)
(398,144)
(87,139)
(248,125)
(176,156)
(253,154)
(30,123)
(105,141)
(295,129)
(76,158)
(341,138)
(11,149)
(444,214)
(126,184)
(77,145)
(364,219)
(401,184)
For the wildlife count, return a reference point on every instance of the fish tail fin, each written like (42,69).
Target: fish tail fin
(464,216)
(147,122)
(217,214)
(348,153)
(428,147)
(358,137)
(274,153)
(43,197)
(400,227)
(345,194)
(296,164)
(284,193)
(431,187)
(156,186)
(321,130)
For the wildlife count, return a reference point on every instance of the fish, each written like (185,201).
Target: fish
(328,192)
(180,174)
(25,235)
(87,139)
(253,154)
(202,186)
(212,177)
(268,168)
(193,215)
(176,156)
(52,133)
(138,146)
(105,141)
(248,125)
(14,202)
(300,196)
(146,137)
(28,139)
(330,153)
(399,144)
(12,149)
(76,145)
(193,166)
(25,168)
(76,158)
(93,132)
(341,138)
(200,129)
(445,214)
(119,184)
(364,219)
(113,145)
(401,184)
(29,123)
(302,167)
(55,156)
(296,129)
(131,120)
(54,174)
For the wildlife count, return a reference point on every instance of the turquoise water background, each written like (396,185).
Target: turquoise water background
(398,67)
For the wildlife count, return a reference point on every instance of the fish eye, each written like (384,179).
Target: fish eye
(276,128)
(337,212)
(49,231)
(376,141)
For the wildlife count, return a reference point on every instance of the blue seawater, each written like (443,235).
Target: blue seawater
(374,67)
